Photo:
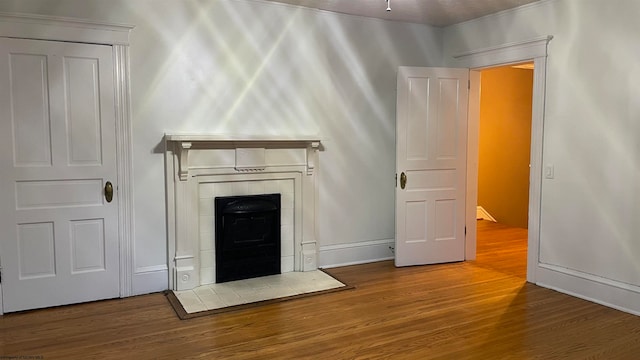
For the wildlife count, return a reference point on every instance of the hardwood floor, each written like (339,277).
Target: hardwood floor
(479,309)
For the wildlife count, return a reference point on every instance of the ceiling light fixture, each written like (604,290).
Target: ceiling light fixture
(388,5)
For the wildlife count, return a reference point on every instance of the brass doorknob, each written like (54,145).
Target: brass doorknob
(108,191)
(403,180)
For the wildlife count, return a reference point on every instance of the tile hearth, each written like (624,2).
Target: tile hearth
(217,296)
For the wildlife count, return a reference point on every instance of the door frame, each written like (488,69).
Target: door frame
(525,51)
(39,27)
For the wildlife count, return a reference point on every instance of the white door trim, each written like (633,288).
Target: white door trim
(38,27)
(535,50)
(124,166)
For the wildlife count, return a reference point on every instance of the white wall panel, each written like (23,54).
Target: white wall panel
(431,180)
(417,128)
(416,211)
(36,250)
(54,193)
(447,109)
(444,219)
(87,245)
(32,134)
(83,111)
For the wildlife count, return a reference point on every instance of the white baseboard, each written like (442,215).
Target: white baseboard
(483,214)
(607,292)
(150,279)
(356,253)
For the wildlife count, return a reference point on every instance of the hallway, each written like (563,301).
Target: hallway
(502,248)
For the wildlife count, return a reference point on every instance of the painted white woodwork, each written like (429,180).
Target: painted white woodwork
(473,142)
(517,52)
(36,250)
(124,156)
(595,288)
(42,27)
(250,159)
(201,167)
(87,245)
(356,253)
(431,151)
(61,238)
(31,194)
(31,26)
(504,54)
(220,139)
(186,141)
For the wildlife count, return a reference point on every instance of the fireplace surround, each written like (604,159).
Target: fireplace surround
(199,168)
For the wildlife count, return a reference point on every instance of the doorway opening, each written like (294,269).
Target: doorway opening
(504,152)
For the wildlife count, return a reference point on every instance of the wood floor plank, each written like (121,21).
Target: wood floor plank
(480,309)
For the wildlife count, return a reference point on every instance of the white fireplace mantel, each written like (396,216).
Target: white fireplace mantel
(200,167)
(186,142)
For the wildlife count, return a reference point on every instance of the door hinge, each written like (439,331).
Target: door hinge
(396,181)
(469,85)
(465,231)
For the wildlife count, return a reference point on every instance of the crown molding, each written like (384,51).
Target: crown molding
(40,27)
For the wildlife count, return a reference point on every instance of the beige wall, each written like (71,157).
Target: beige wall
(505,141)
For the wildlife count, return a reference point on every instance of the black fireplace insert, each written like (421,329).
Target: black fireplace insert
(247,231)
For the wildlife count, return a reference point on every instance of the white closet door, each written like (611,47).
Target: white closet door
(59,240)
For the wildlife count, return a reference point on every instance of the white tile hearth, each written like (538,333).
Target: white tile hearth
(217,296)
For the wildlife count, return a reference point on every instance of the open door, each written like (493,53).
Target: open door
(431,142)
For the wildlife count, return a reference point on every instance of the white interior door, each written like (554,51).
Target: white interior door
(59,240)
(431,145)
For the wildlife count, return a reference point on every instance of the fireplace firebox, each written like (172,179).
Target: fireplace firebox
(247,236)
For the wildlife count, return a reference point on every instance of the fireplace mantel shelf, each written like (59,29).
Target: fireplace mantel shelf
(186,141)
(225,139)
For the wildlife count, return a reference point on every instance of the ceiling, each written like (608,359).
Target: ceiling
(432,12)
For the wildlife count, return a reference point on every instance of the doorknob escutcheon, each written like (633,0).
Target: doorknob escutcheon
(403,180)
(108,191)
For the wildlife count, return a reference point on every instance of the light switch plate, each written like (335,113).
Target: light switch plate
(548,171)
